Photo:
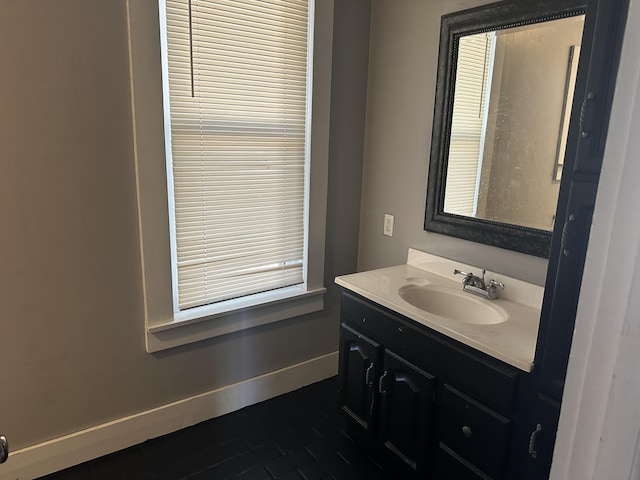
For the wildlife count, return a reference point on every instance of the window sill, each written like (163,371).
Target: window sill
(212,321)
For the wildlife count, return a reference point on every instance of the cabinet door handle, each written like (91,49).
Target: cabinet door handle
(4,449)
(587,115)
(380,383)
(532,441)
(372,404)
(367,375)
(369,381)
(466,431)
(568,235)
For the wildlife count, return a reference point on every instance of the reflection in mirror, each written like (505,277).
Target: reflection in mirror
(513,90)
(503,118)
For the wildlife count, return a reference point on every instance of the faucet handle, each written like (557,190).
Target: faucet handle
(467,276)
(492,289)
(471,280)
(470,274)
(460,272)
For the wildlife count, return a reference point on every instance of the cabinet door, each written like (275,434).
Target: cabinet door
(407,396)
(600,53)
(358,373)
(556,333)
(601,44)
(542,434)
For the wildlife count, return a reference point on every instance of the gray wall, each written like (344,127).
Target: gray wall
(346,142)
(403,56)
(71,329)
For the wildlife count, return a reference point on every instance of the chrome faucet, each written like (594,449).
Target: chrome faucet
(477,285)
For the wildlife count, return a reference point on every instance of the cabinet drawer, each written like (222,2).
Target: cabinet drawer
(488,382)
(474,432)
(370,320)
(450,466)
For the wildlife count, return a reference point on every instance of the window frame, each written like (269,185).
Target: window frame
(163,328)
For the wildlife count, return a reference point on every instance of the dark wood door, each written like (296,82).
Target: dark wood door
(599,58)
(542,429)
(552,361)
(407,396)
(358,375)
(597,72)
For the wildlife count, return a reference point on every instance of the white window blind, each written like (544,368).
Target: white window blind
(238,82)
(468,122)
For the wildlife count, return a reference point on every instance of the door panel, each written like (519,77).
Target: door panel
(358,374)
(407,396)
(552,363)
(542,434)
(597,72)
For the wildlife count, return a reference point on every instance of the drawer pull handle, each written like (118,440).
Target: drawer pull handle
(466,431)
(532,441)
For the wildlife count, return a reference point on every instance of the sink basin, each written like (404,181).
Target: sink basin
(454,305)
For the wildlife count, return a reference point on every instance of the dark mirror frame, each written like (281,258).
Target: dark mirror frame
(495,16)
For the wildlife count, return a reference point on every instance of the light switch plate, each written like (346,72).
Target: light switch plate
(388,225)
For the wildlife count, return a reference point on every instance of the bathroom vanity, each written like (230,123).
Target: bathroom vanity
(432,379)
(438,395)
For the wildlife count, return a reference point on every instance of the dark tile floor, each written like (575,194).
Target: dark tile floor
(297,436)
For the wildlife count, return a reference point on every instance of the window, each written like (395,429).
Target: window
(241,240)
(470,110)
(236,93)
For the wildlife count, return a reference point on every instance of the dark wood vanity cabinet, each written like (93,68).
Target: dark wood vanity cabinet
(439,409)
(426,404)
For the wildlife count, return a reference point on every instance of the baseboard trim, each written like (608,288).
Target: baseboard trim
(63,452)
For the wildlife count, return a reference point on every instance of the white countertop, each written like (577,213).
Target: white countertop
(512,341)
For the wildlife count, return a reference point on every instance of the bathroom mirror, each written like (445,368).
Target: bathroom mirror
(506,76)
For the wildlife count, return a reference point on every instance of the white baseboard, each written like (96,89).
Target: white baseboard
(48,457)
